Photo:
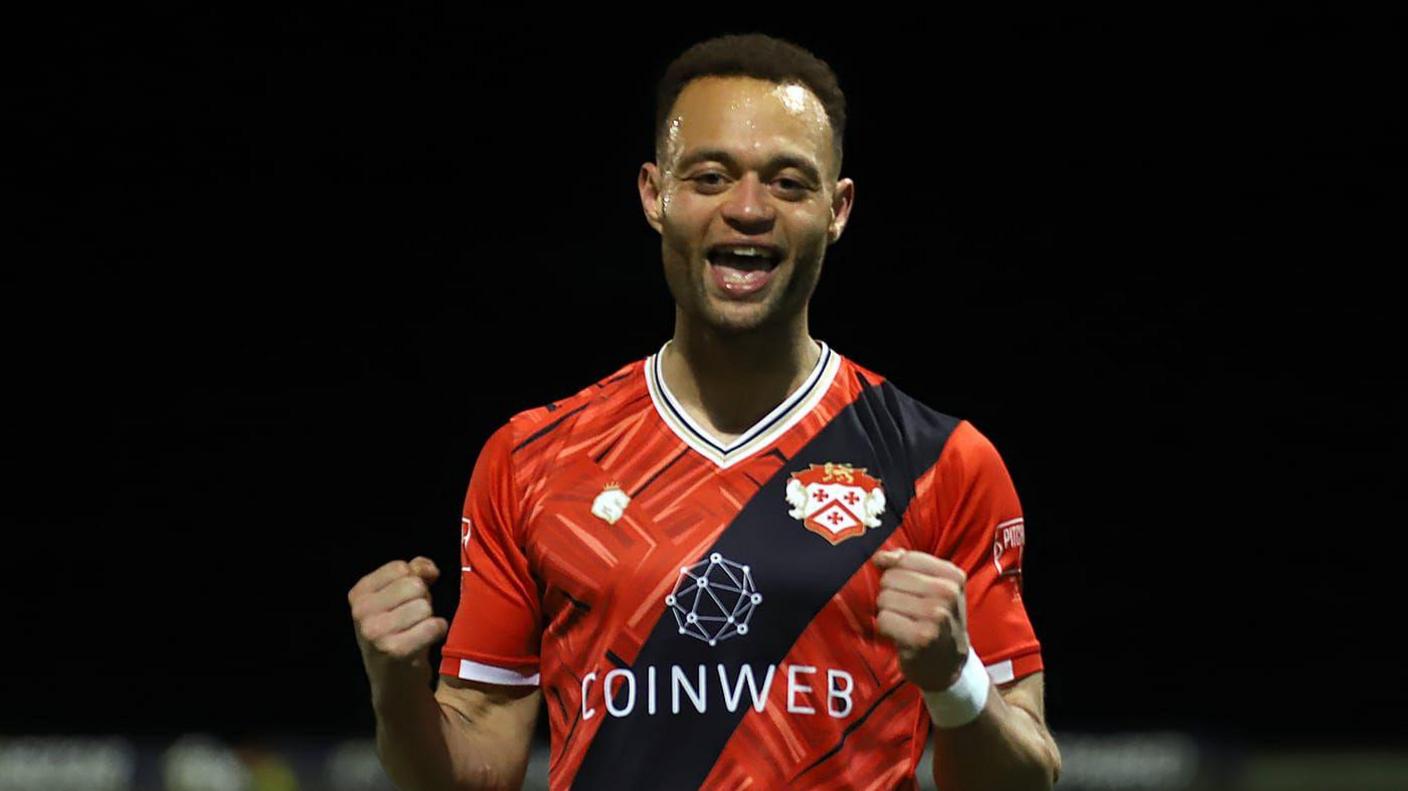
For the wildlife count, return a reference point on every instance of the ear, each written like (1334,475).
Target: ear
(841,203)
(648,182)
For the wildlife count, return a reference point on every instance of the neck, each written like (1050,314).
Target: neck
(729,381)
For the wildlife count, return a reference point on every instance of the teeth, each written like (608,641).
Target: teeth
(751,252)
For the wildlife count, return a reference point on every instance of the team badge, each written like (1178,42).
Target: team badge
(835,501)
(610,504)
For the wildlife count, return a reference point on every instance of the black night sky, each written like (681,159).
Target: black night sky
(277,278)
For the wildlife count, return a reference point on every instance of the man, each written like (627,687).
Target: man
(745,560)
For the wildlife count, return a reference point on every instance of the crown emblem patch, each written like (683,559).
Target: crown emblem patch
(835,501)
(611,503)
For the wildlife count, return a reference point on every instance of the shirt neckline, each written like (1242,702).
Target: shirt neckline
(762,433)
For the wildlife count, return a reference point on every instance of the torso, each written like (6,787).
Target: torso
(768,672)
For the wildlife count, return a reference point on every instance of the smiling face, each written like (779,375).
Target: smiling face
(746,200)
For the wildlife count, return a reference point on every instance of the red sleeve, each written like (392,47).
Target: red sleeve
(495,634)
(982,531)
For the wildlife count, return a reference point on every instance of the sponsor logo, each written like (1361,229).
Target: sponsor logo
(681,690)
(611,503)
(835,501)
(1008,540)
(713,599)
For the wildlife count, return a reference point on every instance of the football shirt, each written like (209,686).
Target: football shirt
(702,613)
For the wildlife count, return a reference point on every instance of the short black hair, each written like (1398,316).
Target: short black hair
(754,55)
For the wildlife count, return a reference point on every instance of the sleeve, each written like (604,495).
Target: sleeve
(496,631)
(982,531)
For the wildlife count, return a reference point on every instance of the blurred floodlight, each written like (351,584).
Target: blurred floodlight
(66,764)
(1155,761)
(199,763)
(354,766)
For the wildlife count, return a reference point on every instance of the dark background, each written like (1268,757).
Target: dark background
(279,277)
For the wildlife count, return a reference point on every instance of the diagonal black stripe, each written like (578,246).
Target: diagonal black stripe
(578,603)
(851,729)
(613,443)
(557,698)
(536,435)
(567,740)
(796,572)
(658,473)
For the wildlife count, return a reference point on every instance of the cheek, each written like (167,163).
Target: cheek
(684,224)
(677,199)
(675,240)
(809,231)
(667,197)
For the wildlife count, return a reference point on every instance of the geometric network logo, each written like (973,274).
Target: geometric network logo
(714,599)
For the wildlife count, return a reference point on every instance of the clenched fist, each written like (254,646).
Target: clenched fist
(922,609)
(391,610)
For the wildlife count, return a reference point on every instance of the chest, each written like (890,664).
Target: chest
(742,556)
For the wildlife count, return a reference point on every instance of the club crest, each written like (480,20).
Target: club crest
(835,501)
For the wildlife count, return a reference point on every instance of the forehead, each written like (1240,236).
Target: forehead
(747,114)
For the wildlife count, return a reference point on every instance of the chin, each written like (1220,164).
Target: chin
(738,319)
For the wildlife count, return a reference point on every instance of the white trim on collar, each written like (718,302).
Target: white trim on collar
(763,433)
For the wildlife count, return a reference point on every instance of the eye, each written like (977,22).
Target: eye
(710,180)
(790,187)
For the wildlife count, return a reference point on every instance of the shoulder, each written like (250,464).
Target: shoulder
(891,412)
(970,450)
(516,457)
(599,403)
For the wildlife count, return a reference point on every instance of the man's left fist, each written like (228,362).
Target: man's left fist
(922,609)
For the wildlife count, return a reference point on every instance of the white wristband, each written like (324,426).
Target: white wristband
(961,703)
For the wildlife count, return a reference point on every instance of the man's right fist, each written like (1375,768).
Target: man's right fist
(391,610)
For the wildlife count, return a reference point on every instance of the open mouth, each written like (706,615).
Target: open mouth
(742,269)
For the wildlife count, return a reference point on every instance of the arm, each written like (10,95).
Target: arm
(1004,744)
(466,735)
(1007,746)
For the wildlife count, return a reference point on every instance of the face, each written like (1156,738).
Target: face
(746,200)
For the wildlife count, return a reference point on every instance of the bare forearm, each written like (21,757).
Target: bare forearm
(1005,747)
(411,736)
(426,746)
(461,737)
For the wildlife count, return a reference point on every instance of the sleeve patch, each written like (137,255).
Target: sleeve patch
(1008,540)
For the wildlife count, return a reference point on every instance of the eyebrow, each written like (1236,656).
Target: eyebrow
(776,163)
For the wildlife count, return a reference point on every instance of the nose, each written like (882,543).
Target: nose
(749,206)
